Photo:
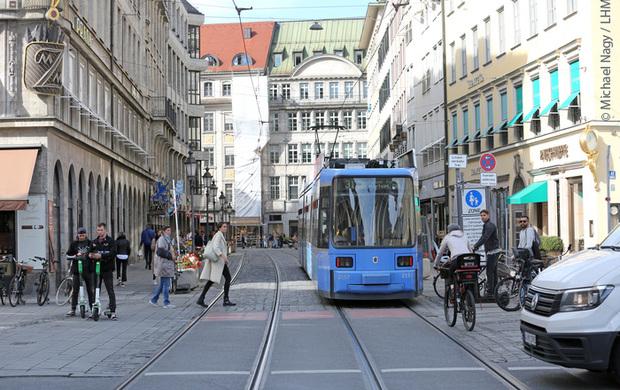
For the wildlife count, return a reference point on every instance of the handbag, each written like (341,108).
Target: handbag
(153,245)
(209,253)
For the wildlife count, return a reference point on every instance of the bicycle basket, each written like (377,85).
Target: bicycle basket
(444,272)
(467,277)
(503,270)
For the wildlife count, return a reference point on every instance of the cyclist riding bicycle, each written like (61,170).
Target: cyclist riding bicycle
(457,243)
(80,248)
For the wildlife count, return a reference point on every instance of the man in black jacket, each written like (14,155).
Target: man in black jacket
(491,248)
(103,250)
(80,248)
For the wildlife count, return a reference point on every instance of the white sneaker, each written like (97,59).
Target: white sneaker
(153,303)
(169,306)
(155,282)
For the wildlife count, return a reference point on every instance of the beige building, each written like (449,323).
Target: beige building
(526,85)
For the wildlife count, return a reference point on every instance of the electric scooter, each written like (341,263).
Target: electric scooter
(82,298)
(97,304)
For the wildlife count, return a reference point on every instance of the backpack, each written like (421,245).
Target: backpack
(536,244)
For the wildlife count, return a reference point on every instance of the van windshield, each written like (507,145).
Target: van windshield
(613,239)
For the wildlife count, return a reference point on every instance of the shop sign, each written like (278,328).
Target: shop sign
(554,153)
(43,67)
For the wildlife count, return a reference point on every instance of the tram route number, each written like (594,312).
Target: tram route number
(380,184)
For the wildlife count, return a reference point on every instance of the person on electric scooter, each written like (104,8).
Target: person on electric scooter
(103,249)
(80,248)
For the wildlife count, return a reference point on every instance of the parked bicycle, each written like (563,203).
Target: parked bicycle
(18,284)
(65,288)
(459,298)
(43,285)
(3,289)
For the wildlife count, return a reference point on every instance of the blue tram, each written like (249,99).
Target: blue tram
(358,231)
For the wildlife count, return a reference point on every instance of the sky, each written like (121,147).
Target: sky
(223,11)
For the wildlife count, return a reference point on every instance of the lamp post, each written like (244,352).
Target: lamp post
(213,198)
(190,170)
(222,203)
(207,180)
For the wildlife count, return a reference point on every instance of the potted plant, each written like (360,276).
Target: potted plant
(553,245)
(189,264)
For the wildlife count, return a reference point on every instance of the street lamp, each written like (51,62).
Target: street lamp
(222,203)
(190,170)
(213,198)
(207,179)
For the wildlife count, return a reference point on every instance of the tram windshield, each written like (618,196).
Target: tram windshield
(373,211)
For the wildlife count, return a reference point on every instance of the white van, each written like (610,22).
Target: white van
(571,315)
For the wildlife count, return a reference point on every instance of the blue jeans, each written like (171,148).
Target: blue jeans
(164,285)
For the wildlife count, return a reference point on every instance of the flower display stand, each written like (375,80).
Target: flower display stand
(189,276)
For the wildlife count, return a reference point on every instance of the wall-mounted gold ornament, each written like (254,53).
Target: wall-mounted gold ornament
(588,140)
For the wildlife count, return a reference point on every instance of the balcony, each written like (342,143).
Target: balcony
(161,106)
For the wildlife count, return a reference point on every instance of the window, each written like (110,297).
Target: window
(452,63)
(229,156)
(194,133)
(277,60)
(362,150)
(347,150)
(365,90)
(318,90)
(211,61)
(334,150)
(293,154)
(226,89)
(503,132)
(228,121)
(228,191)
(455,128)
(193,87)
(477,128)
(208,122)
(274,154)
(487,40)
(317,52)
(516,16)
(306,153)
(305,121)
(551,13)
(319,118)
(292,121)
(361,120)
(274,188)
(273,92)
(571,6)
(463,56)
(333,90)
(348,88)
(298,57)
(209,156)
(465,115)
(247,32)
(535,123)
(489,123)
(554,116)
(293,187)
(286,91)
(333,118)
(303,91)
(518,127)
(358,55)
(274,120)
(339,52)
(207,89)
(475,58)
(241,60)
(347,118)
(533,18)
(502,31)
(438,62)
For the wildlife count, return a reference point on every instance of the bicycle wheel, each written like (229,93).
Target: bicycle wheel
(468,311)
(439,285)
(482,287)
(449,307)
(64,291)
(523,292)
(2,292)
(14,292)
(507,294)
(43,289)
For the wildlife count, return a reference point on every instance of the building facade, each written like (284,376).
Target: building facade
(97,105)
(317,104)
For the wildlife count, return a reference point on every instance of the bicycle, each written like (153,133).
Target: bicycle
(43,285)
(18,284)
(65,288)
(3,290)
(459,297)
(439,285)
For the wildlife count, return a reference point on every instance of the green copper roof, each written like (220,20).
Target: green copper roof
(292,37)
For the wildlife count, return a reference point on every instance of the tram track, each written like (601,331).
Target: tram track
(136,374)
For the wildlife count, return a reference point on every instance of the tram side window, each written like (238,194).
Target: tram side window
(323,225)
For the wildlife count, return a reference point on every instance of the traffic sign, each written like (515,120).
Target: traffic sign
(612,175)
(487,162)
(457,161)
(474,201)
(488,179)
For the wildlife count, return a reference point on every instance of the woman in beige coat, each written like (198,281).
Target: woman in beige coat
(216,270)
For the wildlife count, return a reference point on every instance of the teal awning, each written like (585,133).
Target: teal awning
(546,110)
(500,126)
(451,144)
(534,193)
(475,135)
(462,140)
(530,114)
(569,100)
(486,131)
(515,119)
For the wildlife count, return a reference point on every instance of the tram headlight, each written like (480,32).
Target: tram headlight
(404,261)
(344,262)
